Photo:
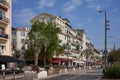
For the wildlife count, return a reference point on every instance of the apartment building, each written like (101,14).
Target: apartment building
(68,36)
(18,37)
(5,27)
(75,39)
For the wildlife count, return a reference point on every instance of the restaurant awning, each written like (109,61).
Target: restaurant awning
(57,60)
(5,59)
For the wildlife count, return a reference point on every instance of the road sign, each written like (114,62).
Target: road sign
(105,52)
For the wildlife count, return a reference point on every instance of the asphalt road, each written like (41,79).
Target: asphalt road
(82,75)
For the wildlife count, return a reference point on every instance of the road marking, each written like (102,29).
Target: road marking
(72,77)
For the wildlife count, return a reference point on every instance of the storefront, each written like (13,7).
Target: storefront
(6,60)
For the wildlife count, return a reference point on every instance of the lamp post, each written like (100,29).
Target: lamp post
(106,28)
(114,46)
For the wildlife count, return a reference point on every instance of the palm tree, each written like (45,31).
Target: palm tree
(37,40)
(87,53)
(16,54)
(43,36)
(51,31)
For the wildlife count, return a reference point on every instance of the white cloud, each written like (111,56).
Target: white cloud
(50,4)
(88,21)
(69,6)
(92,5)
(114,10)
(98,5)
(23,17)
(46,3)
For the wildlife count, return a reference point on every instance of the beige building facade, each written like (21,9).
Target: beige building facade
(68,36)
(18,37)
(75,40)
(5,27)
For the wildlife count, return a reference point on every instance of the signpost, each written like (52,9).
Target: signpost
(105,56)
(3,69)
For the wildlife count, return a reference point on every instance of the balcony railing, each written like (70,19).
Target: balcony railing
(4,36)
(4,3)
(3,18)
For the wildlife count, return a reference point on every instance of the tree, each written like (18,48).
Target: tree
(35,40)
(43,40)
(87,53)
(114,56)
(51,31)
(16,54)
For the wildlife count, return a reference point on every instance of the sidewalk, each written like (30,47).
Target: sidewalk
(34,76)
(82,72)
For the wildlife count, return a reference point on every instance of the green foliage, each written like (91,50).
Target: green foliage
(35,40)
(29,55)
(21,66)
(86,52)
(42,40)
(114,56)
(112,71)
(16,54)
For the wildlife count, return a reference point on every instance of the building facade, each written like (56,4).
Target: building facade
(75,40)
(5,27)
(18,37)
(69,37)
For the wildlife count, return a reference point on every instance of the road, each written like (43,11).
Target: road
(82,75)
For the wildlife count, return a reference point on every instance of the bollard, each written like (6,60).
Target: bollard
(3,75)
(14,75)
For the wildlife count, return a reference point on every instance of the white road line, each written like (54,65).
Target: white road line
(72,77)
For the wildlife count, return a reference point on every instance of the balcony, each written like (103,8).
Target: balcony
(3,36)
(79,37)
(3,20)
(73,43)
(4,4)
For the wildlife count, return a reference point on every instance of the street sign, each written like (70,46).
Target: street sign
(105,53)
(3,66)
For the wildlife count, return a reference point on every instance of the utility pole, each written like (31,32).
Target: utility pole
(114,46)
(106,28)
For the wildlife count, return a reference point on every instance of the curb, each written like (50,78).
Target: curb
(83,71)
(59,74)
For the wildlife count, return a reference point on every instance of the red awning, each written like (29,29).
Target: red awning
(55,60)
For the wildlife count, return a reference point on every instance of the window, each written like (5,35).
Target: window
(22,40)
(51,19)
(42,19)
(0,50)
(1,31)
(22,33)
(14,41)
(3,1)
(2,14)
(65,37)
(14,33)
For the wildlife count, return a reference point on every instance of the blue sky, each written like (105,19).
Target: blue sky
(82,14)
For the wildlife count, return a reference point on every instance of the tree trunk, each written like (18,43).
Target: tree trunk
(36,56)
(44,61)
(44,58)
(36,59)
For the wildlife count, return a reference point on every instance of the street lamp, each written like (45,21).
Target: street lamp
(114,47)
(106,28)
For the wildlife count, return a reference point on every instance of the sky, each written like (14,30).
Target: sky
(83,14)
